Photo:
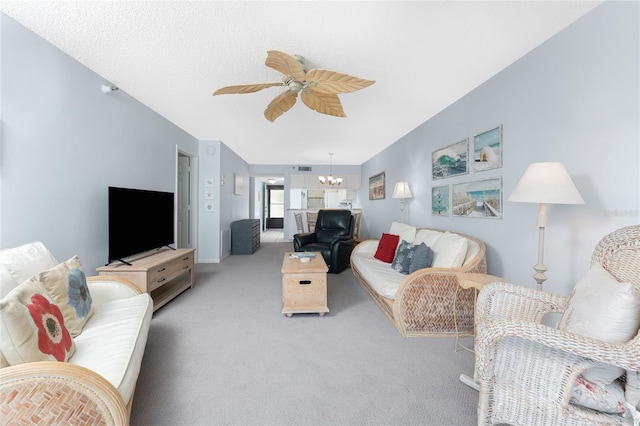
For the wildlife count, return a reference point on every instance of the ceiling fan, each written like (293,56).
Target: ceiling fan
(319,88)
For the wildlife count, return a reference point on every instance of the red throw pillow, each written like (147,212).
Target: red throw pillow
(387,247)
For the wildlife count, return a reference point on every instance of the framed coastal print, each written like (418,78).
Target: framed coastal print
(481,198)
(487,150)
(451,160)
(440,200)
(376,187)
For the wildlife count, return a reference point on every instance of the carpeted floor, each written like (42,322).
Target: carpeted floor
(223,354)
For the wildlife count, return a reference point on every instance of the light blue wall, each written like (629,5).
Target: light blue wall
(209,208)
(234,206)
(218,163)
(574,99)
(63,142)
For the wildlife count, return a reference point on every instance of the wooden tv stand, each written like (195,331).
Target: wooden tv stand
(163,274)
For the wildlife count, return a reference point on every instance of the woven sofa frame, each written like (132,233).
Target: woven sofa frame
(423,305)
(53,393)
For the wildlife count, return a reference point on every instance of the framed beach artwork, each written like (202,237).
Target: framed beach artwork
(376,187)
(440,200)
(451,160)
(481,199)
(487,150)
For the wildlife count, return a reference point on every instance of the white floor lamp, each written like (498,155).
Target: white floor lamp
(402,191)
(545,183)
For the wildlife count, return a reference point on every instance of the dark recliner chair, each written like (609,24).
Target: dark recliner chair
(332,237)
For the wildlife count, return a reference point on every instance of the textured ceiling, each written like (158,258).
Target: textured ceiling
(172,55)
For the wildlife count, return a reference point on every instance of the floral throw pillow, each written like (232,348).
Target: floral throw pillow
(605,398)
(33,327)
(67,285)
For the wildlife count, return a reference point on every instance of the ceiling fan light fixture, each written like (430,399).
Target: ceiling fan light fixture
(319,87)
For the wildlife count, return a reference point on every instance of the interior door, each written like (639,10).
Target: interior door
(184,201)
(275,210)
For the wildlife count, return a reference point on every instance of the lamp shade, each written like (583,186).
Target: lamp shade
(402,190)
(546,183)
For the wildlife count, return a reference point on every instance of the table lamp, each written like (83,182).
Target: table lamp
(402,191)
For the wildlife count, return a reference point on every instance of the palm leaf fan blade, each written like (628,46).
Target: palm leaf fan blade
(284,63)
(244,88)
(331,82)
(323,103)
(280,104)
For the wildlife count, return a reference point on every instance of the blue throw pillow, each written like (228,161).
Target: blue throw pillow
(422,258)
(403,257)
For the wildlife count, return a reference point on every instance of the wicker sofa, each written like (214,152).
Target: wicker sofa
(97,382)
(421,304)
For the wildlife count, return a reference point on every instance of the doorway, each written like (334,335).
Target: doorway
(185,224)
(274,202)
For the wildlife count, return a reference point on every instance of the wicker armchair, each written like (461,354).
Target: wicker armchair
(526,370)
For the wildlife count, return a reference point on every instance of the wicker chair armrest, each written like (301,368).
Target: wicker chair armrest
(56,392)
(505,300)
(625,355)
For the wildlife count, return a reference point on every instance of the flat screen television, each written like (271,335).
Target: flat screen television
(139,221)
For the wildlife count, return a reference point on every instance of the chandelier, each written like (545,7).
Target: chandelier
(330,179)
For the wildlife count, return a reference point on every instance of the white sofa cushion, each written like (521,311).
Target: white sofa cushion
(112,342)
(6,282)
(430,236)
(449,251)
(380,276)
(367,247)
(427,236)
(404,231)
(473,249)
(23,262)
